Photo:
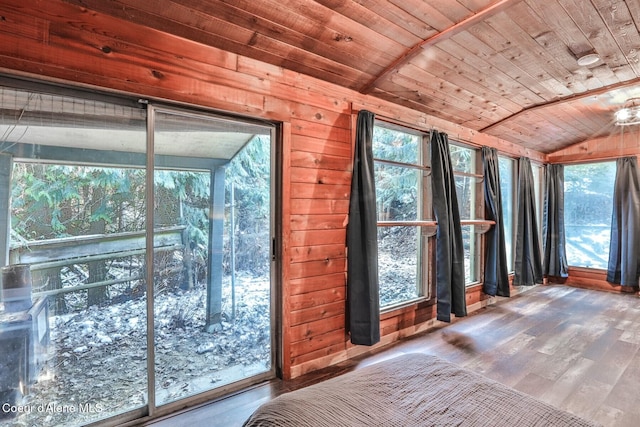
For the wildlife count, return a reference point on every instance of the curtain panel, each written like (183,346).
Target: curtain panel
(528,261)
(624,247)
(450,286)
(496,273)
(362,240)
(555,255)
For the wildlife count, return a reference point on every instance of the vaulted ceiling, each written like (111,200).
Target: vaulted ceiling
(507,68)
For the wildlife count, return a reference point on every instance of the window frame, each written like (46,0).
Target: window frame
(538,171)
(476,223)
(513,196)
(566,210)
(425,221)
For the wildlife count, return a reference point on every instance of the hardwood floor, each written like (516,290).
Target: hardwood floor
(574,348)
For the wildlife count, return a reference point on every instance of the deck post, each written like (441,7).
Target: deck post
(216,230)
(6,167)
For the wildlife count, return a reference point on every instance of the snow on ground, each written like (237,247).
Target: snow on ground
(96,365)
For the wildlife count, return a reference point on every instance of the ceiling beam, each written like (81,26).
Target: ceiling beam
(596,92)
(461,26)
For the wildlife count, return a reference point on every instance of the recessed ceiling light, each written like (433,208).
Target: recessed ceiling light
(588,59)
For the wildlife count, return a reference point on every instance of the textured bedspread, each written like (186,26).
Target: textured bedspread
(410,390)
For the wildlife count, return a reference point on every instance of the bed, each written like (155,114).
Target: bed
(410,390)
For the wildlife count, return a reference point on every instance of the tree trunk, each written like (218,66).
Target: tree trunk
(52,277)
(97,269)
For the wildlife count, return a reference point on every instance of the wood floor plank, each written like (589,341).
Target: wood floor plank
(533,384)
(568,382)
(631,334)
(624,394)
(513,369)
(611,417)
(561,361)
(587,399)
(615,362)
(598,348)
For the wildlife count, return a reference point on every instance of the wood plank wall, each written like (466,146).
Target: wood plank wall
(625,142)
(54,41)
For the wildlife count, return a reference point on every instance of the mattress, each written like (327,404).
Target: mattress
(410,390)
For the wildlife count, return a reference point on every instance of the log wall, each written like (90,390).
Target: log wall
(58,42)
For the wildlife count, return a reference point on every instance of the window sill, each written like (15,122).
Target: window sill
(481,226)
(403,307)
(429,228)
(587,269)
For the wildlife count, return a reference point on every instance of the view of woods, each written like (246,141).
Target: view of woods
(403,193)
(399,183)
(95,363)
(58,201)
(588,199)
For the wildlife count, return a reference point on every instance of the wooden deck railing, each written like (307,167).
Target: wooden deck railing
(69,251)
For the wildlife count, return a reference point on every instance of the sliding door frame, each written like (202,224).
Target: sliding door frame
(152,410)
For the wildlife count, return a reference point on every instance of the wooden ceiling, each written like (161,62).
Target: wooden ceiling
(508,68)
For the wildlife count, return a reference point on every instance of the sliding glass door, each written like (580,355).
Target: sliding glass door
(136,257)
(212,322)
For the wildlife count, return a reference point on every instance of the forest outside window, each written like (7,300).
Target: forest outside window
(464,162)
(538,184)
(588,202)
(404,213)
(508,169)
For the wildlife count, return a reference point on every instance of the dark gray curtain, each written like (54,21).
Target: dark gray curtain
(450,286)
(496,273)
(555,255)
(528,261)
(624,248)
(362,241)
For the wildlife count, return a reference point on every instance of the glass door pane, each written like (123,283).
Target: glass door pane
(212,308)
(72,318)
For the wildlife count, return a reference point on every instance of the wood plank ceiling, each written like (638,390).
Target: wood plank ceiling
(508,68)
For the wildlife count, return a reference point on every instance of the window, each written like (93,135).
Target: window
(102,341)
(507,168)
(402,197)
(464,163)
(538,185)
(588,205)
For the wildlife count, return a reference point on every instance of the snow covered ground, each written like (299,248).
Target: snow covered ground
(97,362)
